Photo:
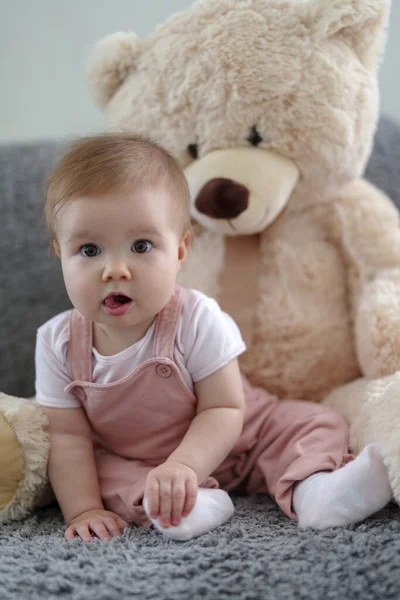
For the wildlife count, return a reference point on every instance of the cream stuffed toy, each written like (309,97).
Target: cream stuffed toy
(271,107)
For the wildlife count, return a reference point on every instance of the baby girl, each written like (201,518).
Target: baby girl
(150,418)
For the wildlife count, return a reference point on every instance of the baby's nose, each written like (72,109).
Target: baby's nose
(116,269)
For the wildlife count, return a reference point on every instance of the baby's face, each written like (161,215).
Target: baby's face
(120,255)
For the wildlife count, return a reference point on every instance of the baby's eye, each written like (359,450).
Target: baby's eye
(89,250)
(142,246)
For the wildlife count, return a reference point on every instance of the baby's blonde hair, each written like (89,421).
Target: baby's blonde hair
(99,163)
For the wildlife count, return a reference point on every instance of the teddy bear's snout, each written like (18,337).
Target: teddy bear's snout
(222,198)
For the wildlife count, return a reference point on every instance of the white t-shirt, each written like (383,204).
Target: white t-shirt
(207,339)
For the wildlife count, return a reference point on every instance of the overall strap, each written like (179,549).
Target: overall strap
(80,347)
(167,325)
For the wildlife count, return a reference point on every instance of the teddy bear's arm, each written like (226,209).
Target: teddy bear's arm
(369,238)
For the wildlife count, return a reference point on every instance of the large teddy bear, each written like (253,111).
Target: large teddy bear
(271,106)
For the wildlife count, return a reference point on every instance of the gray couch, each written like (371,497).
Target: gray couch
(260,554)
(32,289)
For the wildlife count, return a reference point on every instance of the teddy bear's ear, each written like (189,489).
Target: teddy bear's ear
(112,60)
(361,23)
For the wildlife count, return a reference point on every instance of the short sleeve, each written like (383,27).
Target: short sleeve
(52,374)
(210,337)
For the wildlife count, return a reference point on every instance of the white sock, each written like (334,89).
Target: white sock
(348,495)
(213,507)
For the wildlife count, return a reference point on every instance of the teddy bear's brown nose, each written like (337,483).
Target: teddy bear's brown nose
(222,199)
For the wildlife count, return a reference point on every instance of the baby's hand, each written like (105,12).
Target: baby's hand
(103,523)
(170,491)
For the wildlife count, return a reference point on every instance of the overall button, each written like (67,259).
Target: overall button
(163,371)
(80,394)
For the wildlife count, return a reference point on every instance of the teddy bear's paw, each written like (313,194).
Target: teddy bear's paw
(372,409)
(24,443)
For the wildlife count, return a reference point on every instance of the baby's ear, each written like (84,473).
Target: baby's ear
(112,61)
(360,23)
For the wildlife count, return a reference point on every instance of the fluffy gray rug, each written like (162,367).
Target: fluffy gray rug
(260,554)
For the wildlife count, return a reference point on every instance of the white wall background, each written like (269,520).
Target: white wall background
(44,45)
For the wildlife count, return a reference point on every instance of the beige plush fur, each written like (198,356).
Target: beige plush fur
(311,268)
(23,474)
(309,265)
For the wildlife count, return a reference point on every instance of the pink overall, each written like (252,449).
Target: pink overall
(138,421)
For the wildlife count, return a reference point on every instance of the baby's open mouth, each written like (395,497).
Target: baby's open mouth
(116,300)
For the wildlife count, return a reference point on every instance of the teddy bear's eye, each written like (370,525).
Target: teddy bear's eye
(193,150)
(254,137)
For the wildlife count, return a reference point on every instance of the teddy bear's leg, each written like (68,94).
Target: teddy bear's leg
(24,449)
(372,409)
